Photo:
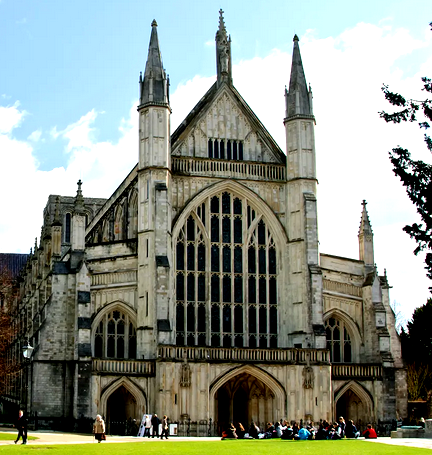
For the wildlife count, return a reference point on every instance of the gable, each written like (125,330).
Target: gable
(222,126)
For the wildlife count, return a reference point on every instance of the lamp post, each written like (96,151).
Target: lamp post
(27,351)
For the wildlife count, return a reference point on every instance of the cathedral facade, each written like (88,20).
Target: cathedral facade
(197,290)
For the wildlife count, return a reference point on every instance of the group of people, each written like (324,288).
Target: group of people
(284,430)
(152,423)
(151,427)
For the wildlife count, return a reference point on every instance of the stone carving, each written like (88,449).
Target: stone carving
(185,377)
(308,375)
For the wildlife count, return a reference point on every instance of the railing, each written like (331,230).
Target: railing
(356,371)
(291,355)
(233,169)
(141,367)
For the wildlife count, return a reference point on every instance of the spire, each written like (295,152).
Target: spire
(223,53)
(79,200)
(365,236)
(365,226)
(154,88)
(298,97)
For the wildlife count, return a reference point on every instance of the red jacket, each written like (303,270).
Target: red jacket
(370,433)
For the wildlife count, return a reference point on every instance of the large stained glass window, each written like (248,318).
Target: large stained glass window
(226,276)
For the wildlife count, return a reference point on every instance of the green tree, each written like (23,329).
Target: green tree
(417,352)
(416,176)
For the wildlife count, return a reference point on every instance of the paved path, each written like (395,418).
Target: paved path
(52,437)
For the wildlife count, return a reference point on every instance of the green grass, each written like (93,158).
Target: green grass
(12,437)
(239,447)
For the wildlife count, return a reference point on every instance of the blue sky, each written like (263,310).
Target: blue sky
(69,85)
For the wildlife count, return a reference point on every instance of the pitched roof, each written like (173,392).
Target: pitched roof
(207,100)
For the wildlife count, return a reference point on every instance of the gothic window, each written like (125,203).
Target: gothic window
(118,224)
(67,235)
(133,217)
(225,149)
(226,276)
(338,341)
(115,337)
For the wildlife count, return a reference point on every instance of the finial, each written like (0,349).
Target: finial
(35,245)
(79,200)
(31,251)
(364,203)
(221,21)
(154,23)
(296,38)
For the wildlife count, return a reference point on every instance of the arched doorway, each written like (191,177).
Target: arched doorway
(122,413)
(245,398)
(353,402)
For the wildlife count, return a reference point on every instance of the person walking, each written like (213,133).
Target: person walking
(164,428)
(147,426)
(99,429)
(155,424)
(21,426)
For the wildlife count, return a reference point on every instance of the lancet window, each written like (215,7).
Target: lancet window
(226,276)
(225,149)
(338,341)
(115,337)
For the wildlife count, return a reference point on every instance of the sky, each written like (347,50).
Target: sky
(69,76)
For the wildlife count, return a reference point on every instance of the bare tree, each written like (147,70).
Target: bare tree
(418,376)
(8,293)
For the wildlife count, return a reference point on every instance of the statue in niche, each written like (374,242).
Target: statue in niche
(224,59)
(308,374)
(185,377)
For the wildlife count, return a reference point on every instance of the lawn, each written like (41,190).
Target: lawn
(12,437)
(239,447)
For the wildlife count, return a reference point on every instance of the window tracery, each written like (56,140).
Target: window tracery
(226,276)
(115,336)
(338,341)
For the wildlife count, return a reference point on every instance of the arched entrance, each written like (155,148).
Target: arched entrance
(121,403)
(353,402)
(121,412)
(244,395)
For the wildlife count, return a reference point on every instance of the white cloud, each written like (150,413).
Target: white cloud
(346,73)
(35,136)
(10,117)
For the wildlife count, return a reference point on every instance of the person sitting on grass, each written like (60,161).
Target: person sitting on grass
(351,430)
(287,433)
(369,433)
(304,434)
(230,433)
(253,431)
(241,431)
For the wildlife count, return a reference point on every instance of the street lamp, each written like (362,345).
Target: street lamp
(27,351)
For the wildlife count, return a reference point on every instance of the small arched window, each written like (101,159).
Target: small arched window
(338,341)
(115,337)
(67,235)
